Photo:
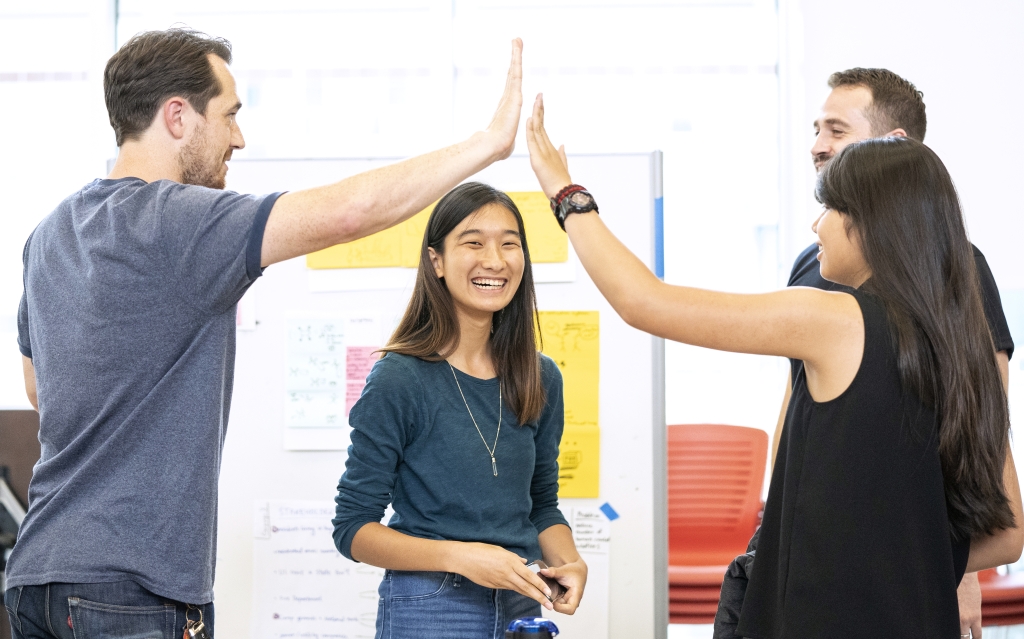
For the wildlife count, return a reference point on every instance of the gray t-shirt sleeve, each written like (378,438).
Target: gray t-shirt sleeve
(24,343)
(213,241)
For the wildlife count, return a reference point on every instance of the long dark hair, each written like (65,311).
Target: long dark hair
(898,197)
(430,329)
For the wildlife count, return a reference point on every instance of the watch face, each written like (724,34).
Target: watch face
(580,198)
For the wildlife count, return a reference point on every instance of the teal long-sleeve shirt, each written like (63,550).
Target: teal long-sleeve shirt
(414,446)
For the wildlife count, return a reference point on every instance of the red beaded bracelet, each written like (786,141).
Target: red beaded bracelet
(564,193)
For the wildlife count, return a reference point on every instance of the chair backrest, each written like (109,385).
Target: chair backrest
(989,575)
(715,476)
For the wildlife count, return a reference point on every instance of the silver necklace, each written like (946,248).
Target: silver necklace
(490,449)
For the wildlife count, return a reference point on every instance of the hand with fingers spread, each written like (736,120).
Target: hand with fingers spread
(505,124)
(573,577)
(494,567)
(549,163)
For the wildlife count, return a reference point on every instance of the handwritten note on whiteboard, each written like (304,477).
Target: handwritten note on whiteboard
(329,357)
(303,587)
(572,339)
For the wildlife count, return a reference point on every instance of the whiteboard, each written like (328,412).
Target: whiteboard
(257,469)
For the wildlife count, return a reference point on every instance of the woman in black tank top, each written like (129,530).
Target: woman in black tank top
(895,474)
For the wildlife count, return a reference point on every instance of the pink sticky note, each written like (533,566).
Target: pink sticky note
(358,362)
(352,392)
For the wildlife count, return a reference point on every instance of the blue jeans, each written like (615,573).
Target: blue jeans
(443,605)
(117,610)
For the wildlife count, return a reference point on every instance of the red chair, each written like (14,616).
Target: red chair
(715,477)
(1002,598)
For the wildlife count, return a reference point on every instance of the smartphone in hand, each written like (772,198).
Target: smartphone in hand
(557,589)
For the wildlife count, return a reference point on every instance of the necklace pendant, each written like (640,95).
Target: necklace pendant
(494,466)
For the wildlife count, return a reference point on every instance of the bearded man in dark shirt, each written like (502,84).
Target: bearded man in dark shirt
(866,104)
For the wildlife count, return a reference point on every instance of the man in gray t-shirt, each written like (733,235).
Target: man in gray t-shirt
(127,328)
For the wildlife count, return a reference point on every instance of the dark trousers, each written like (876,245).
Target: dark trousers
(117,610)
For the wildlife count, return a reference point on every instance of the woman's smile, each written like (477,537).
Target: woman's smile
(489,284)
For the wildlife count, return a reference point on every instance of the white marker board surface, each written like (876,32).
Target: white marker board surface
(256,467)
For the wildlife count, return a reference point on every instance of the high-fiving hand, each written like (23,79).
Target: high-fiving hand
(505,124)
(548,163)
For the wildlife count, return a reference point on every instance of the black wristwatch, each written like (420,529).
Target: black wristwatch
(572,199)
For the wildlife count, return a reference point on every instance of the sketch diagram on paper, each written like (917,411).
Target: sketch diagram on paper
(329,358)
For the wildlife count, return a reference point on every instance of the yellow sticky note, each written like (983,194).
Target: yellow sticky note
(380,249)
(572,339)
(579,462)
(413,230)
(547,241)
(396,246)
(401,244)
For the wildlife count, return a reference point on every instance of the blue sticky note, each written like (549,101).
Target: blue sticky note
(609,512)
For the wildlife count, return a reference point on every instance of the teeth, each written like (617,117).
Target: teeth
(485,283)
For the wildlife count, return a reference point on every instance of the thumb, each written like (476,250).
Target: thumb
(554,573)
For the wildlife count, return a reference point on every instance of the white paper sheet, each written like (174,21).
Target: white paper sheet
(303,587)
(329,357)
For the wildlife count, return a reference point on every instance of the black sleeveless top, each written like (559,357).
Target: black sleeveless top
(855,538)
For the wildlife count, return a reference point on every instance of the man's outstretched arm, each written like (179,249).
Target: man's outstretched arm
(312,219)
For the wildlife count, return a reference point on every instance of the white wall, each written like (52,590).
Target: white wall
(54,136)
(966,58)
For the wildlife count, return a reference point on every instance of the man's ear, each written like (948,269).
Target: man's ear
(173,115)
(436,260)
(896,133)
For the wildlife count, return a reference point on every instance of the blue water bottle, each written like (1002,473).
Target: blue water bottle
(531,628)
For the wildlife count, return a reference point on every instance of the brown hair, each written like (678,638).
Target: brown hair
(895,102)
(154,66)
(430,329)
(899,197)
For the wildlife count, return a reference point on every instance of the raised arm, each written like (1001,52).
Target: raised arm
(312,219)
(818,327)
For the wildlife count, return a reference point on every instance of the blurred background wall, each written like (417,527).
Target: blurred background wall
(728,89)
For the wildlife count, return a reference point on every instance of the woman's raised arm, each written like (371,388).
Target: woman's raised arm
(802,323)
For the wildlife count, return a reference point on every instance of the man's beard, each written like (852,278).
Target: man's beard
(195,168)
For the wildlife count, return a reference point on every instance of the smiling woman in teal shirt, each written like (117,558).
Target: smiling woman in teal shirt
(458,428)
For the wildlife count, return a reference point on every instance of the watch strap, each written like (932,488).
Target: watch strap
(564,193)
(562,206)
